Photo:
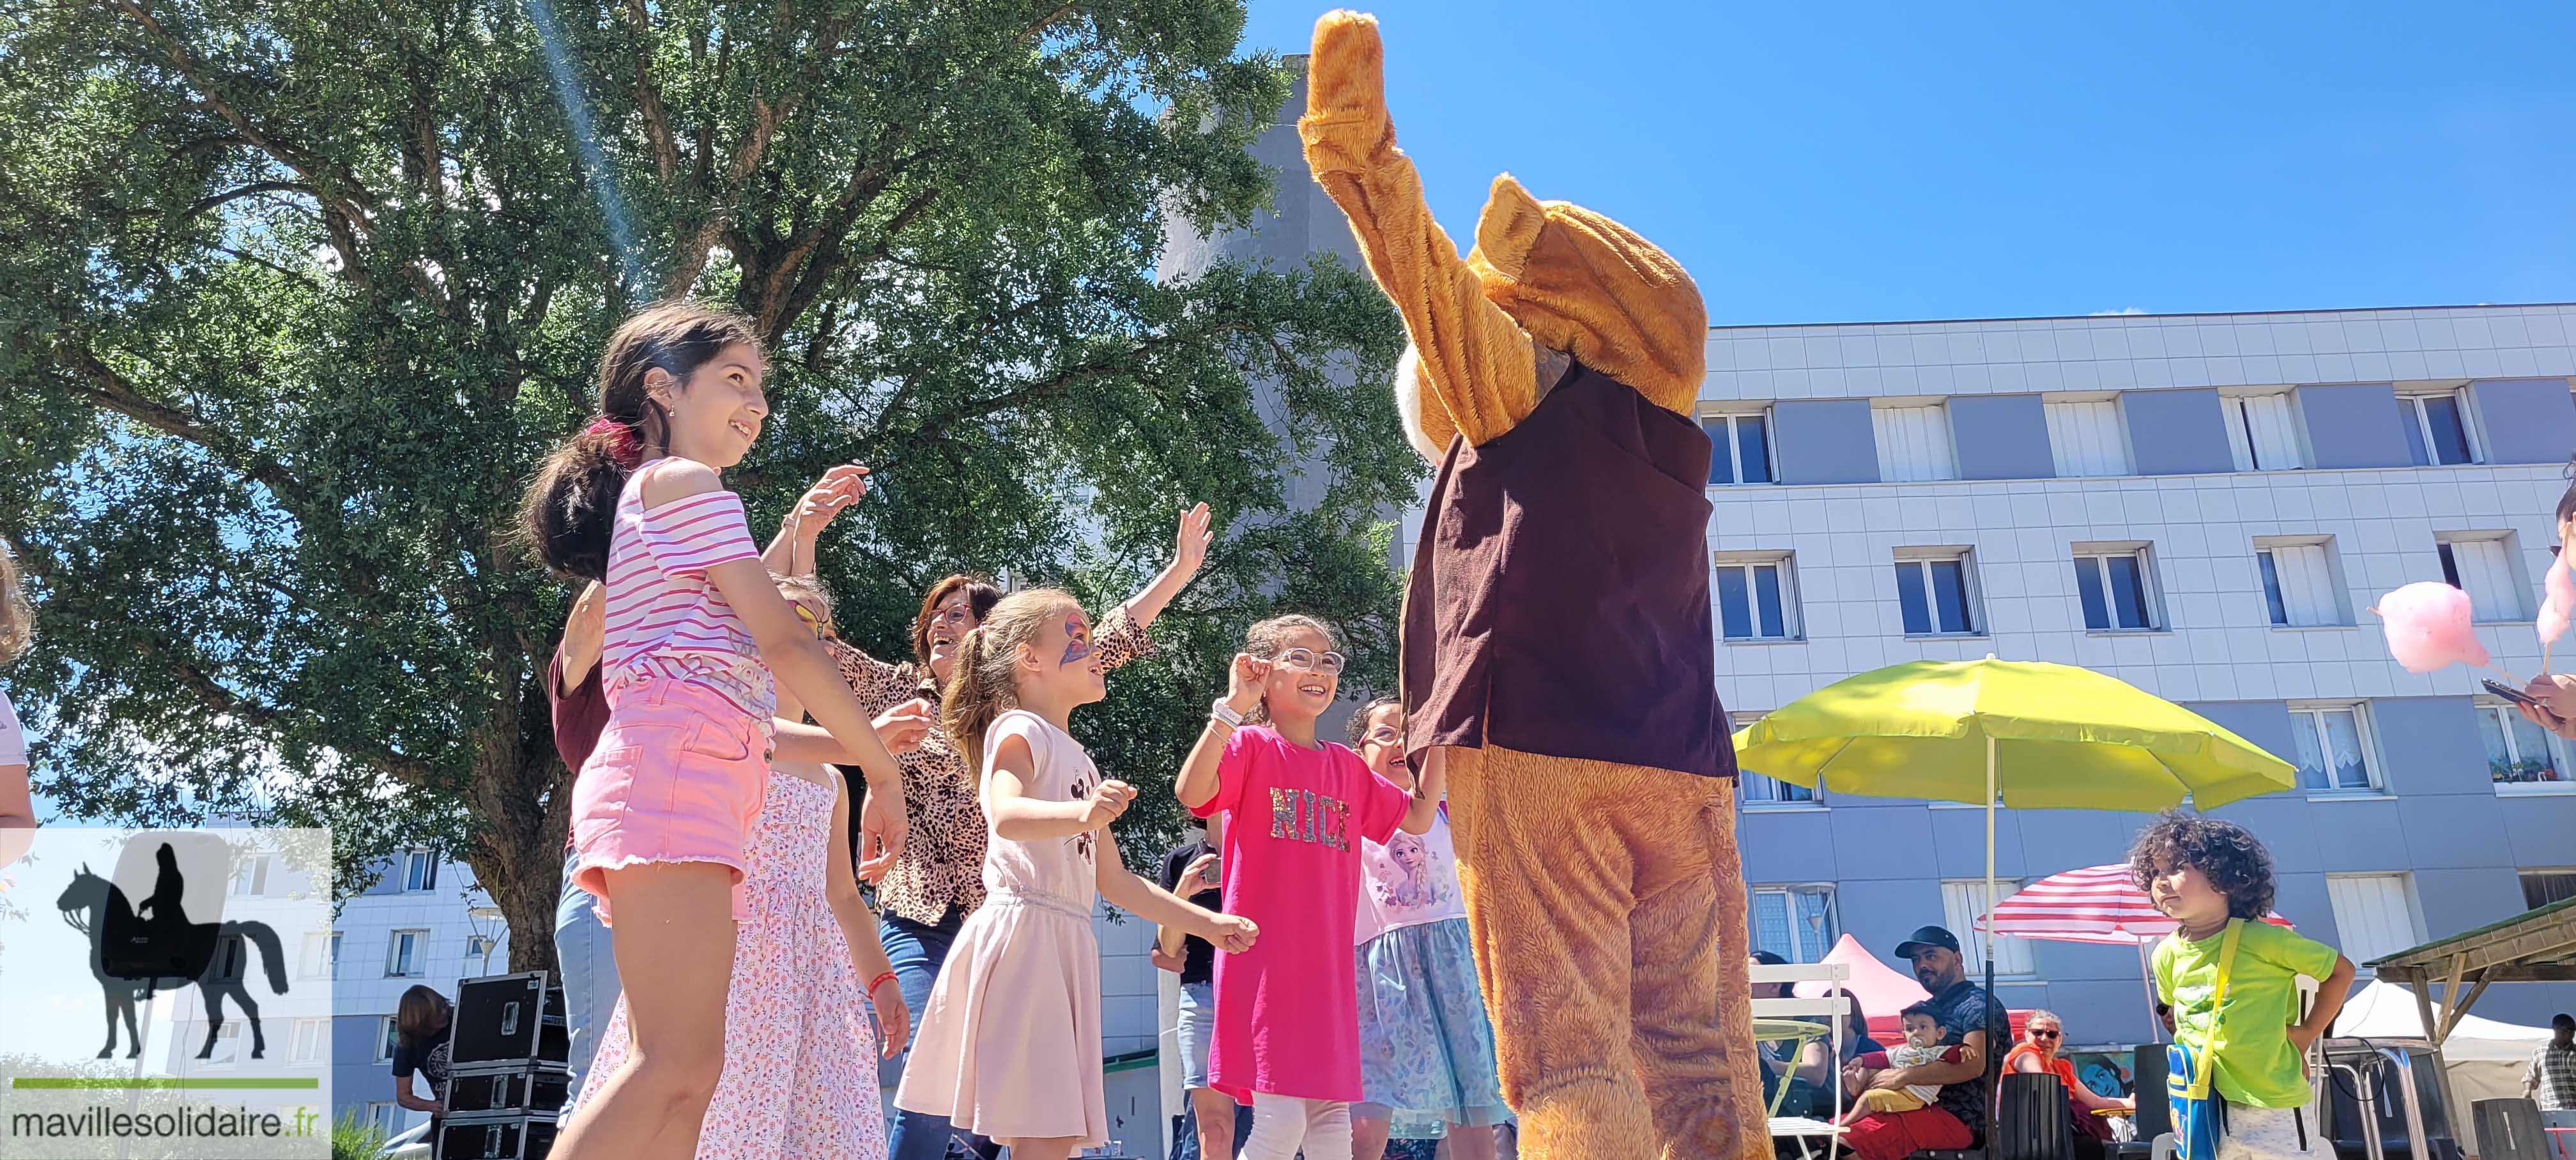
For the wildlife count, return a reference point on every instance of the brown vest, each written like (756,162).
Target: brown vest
(1559,598)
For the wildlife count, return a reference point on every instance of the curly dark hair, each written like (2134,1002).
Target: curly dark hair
(2227,854)
(1358,728)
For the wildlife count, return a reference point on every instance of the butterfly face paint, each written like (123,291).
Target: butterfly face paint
(1077,641)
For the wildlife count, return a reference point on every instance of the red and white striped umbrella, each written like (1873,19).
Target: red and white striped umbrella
(2097,904)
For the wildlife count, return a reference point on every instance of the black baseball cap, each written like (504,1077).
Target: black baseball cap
(1925,938)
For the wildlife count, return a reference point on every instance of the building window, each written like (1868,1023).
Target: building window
(312,1040)
(2263,432)
(1963,900)
(226,1049)
(2116,589)
(1914,443)
(2084,438)
(2521,757)
(2374,915)
(381,1116)
(1936,596)
(1741,447)
(335,954)
(313,960)
(2333,742)
(2299,588)
(408,955)
(2437,429)
(420,872)
(390,1037)
(1794,922)
(1759,792)
(2542,887)
(250,876)
(2481,564)
(1757,598)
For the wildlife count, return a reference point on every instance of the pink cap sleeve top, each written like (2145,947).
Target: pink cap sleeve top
(1287,1013)
(665,618)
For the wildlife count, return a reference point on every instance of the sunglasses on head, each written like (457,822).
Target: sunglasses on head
(822,629)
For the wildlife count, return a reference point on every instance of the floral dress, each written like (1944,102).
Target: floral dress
(800,1044)
(942,864)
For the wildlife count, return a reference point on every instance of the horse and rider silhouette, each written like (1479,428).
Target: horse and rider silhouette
(135,952)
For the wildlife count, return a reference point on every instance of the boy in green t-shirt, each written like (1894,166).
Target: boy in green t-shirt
(2206,874)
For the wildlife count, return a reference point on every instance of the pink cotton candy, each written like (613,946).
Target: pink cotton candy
(2560,602)
(2428,627)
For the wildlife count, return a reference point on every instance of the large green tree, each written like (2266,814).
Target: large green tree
(297,293)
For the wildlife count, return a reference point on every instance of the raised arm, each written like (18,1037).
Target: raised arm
(1476,363)
(1199,779)
(584,635)
(791,551)
(1189,551)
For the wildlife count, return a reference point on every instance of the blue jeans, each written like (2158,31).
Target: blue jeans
(917,950)
(585,968)
(1187,1147)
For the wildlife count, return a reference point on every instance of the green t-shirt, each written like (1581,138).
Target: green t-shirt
(2256,1066)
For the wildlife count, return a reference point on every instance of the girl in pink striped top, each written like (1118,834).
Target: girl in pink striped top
(695,628)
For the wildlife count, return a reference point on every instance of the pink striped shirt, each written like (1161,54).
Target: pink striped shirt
(664,618)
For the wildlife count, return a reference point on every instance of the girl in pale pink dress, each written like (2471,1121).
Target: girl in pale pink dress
(800,1050)
(1010,1040)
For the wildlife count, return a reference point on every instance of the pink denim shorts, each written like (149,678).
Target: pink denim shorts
(677,777)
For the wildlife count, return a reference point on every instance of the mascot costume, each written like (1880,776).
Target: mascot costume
(1558,655)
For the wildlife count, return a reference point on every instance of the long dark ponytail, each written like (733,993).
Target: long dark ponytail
(570,505)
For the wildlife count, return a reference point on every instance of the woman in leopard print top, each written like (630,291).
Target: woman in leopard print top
(938,877)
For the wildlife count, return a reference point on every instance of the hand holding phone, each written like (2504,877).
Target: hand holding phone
(2509,693)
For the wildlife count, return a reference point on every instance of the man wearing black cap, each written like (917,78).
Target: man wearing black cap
(1957,1118)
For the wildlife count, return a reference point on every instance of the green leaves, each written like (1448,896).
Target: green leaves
(302,292)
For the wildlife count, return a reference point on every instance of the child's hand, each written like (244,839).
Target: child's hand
(1108,800)
(1232,933)
(1202,868)
(903,728)
(892,1018)
(1244,681)
(836,490)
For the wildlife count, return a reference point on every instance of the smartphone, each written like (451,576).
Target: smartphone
(1215,872)
(876,486)
(2509,693)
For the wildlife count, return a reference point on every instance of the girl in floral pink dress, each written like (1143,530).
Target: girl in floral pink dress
(801,1052)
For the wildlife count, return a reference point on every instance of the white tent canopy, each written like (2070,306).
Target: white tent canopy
(2485,1058)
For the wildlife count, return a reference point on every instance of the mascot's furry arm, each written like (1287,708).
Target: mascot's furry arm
(1544,276)
(1476,373)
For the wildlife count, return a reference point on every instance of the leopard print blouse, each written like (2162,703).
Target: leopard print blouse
(942,864)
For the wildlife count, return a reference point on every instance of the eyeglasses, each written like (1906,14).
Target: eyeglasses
(1383,737)
(1326,664)
(822,629)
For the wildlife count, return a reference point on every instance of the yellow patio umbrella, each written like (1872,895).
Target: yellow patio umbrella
(2033,735)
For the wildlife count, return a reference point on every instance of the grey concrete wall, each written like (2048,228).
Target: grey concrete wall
(2525,420)
(2001,437)
(2175,432)
(2354,425)
(1824,441)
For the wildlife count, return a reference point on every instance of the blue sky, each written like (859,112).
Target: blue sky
(1835,163)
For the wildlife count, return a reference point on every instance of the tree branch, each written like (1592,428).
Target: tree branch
(252,190)
(648,96)
(111,390)
(1038,27)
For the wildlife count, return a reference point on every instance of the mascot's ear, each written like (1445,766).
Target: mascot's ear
(1426,419)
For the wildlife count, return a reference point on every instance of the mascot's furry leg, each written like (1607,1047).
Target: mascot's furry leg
(1613,962)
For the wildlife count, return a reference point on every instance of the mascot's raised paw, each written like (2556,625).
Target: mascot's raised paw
(1346,80)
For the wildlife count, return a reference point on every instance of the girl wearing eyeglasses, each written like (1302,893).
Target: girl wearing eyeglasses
(1298,808)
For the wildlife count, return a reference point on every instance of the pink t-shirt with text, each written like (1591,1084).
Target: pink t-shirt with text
(1287,1011)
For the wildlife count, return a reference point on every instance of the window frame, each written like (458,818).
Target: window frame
(2506,718)
(1787,890)
(2507,545)
(2336,589)
(2413,402)
(1971,594)
(385,1115)
(314,1034)
(2524,875)
(2150,592)
(428,876)
(1792,624)
(386,1030)
(419,955)
(2365,735)
(2405,880)
(249,878)
(1733,446)
(2050,414)
(1745,779)
(2244,453)
(1949,435)
(2005,888)
(333,964)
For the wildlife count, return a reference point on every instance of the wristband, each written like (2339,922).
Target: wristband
(1223,712)
(875,982)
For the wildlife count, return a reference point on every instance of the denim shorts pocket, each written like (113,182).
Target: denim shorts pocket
(719,741)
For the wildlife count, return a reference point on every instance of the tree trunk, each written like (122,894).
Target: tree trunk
(522,803)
